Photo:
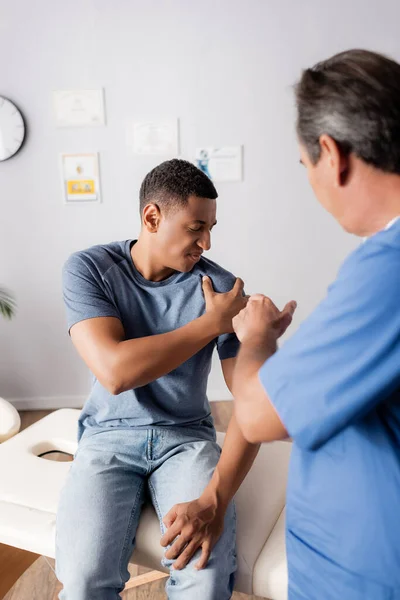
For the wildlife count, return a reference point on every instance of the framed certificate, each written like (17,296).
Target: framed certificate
(159,138)
(79,108)
(221,164)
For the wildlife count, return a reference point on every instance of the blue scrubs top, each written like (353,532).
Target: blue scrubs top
(336,387)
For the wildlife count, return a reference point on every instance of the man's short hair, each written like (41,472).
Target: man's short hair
(354,97)
(170,184)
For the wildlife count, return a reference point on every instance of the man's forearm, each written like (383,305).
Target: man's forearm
(140,361)
(236,459)
(255,413)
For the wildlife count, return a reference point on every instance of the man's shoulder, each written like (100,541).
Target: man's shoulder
(222,279)
(99,258)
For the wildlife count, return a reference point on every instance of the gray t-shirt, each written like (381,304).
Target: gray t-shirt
(103,282)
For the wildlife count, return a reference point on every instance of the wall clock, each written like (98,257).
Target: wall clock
(12,129)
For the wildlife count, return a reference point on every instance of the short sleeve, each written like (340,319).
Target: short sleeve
(223,281)
(227,346)
(84,292)
(345,359)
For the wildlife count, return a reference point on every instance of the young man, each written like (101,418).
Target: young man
(334,387)
(146,324)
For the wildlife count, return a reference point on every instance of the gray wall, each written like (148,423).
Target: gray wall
(225,68)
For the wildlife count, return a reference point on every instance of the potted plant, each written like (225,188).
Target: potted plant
(7,304)
(9,418)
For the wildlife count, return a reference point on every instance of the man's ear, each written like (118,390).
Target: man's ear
(151,217)
(337,161)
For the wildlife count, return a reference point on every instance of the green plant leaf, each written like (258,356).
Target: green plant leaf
(7,304)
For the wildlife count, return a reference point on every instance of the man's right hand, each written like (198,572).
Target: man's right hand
(224,307)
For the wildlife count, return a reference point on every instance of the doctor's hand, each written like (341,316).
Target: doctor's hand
(262,320)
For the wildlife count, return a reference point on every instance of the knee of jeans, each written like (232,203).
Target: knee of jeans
(215,582)
(81,575)
(222,562)
(76,590)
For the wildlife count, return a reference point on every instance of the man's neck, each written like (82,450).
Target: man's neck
(146,263)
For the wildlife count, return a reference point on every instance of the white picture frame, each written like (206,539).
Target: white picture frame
(221,164)
(154,137)
(80,178)
(79,108)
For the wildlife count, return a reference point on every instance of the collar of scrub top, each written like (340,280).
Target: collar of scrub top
(392,222)
(388,226)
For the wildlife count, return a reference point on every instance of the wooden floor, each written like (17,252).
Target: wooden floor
(38,581)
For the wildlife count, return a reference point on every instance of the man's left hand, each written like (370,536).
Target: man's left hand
(193,525)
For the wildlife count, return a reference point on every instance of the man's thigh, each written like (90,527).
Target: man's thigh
(182,477)
(184,466)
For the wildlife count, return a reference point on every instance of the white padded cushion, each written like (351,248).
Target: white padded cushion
(30,488)
(10,421)
(259,502)
(31,481)
(270,575)
(27,528)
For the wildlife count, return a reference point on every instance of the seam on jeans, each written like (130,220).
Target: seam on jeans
(171,581)
(129,532)
(156,505)
(234,528)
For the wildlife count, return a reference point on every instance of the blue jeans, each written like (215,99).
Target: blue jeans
(113,473)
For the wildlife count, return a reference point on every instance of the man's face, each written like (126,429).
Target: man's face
(184,233)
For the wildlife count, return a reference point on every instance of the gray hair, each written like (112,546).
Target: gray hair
(354,97)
